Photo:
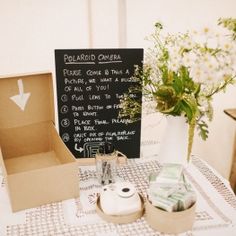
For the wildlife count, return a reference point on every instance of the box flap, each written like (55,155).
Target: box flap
(26,99)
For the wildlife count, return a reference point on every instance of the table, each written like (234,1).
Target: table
(215,214)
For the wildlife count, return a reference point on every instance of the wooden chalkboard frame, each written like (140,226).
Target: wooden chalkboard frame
(99,61)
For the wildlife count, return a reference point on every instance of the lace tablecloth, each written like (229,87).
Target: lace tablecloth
(215,214)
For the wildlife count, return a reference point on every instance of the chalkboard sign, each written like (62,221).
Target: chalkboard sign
(90,83)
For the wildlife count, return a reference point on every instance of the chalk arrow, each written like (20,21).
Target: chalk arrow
(20,99)
(78,149)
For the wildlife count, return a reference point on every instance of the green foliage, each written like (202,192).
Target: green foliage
(203,129)
(181,87)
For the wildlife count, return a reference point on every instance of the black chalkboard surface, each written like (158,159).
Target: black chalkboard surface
(90,83)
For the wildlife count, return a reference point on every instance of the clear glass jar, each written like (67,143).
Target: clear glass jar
(106,166)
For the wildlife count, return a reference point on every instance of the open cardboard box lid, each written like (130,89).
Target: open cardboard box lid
(37,166)
(26,99)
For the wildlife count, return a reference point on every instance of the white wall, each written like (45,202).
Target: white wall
(30,30)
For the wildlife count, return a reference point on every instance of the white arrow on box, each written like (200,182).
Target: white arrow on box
(20,99)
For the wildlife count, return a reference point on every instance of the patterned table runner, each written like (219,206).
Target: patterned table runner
(215,214)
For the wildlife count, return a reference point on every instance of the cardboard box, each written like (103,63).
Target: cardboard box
(37,166)
(169,222)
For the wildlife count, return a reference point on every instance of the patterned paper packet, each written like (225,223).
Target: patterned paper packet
(177,201)
(163,191)
(170,174)
(167,204)
(185,200)
(169,190)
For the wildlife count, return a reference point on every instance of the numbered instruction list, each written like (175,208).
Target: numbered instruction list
(90,84)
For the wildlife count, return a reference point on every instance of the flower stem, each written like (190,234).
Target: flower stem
(223,86)
(191,129)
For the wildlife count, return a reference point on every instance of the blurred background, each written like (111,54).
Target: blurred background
(30,30)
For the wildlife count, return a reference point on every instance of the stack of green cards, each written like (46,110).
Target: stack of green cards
(169,190)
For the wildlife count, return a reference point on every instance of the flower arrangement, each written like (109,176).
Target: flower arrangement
(181,74)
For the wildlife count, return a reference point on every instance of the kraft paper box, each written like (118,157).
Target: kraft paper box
(37,166)
(170,222)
